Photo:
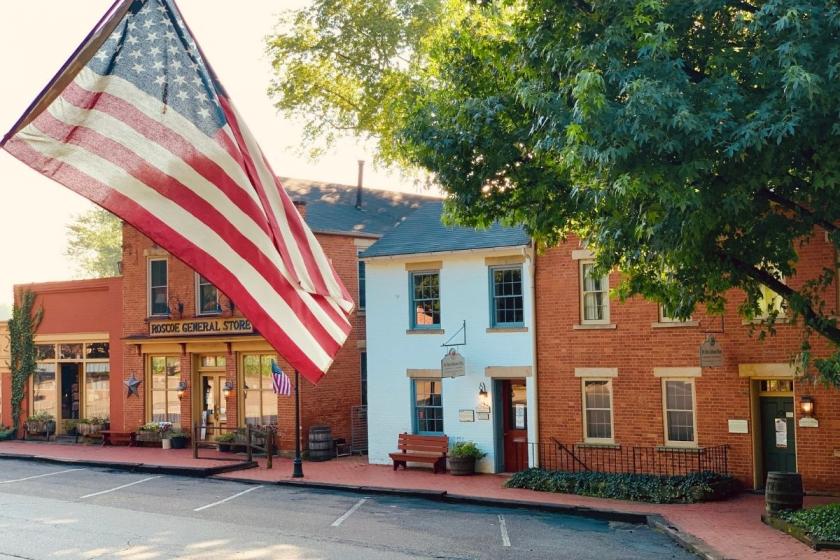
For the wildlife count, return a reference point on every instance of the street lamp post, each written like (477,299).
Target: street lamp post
(297,471)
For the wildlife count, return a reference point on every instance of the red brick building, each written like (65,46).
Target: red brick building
(197,360)
(613,376)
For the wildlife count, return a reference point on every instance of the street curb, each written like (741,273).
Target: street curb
(685,540)
(194,472)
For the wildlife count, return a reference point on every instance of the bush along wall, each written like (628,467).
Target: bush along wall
(691,488)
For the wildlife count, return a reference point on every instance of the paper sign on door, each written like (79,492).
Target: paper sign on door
(781,432)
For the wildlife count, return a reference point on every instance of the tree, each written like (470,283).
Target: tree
(692,144)
(22,327)
(94,242)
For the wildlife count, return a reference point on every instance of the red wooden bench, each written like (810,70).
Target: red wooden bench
(112,437)
(421,449)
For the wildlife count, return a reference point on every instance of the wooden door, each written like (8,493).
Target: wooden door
(515,424)
(213,402)
(778,441)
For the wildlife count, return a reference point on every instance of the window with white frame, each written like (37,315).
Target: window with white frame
(362,278)
(260,400)
(158,287)
(770,302)
(206,297)
(425,300)
(597,411)
(680,416)
(594,297)
(666,317)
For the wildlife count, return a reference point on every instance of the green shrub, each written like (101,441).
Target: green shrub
(7,433)
(228,437)
(691,488)
(821,522)
(466,449)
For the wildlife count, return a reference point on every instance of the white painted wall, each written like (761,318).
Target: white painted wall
(464,289)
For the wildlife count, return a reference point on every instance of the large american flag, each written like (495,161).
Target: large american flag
(138,123)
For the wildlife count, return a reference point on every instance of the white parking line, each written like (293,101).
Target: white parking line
(349,512)
(229,498)
(118,487)
(39,476)
(503,528)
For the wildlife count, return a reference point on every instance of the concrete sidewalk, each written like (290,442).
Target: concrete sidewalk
(732,528)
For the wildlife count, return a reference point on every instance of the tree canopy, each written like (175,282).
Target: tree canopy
(691,144)
(94,243)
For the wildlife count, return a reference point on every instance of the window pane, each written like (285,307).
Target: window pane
(44,389)
(269,406)
(428,406)
(97,350)
(593,306)
(208,297)
(425,299)
(45,351)
(361,284)
(158,273)
(70,352)
(598,405)
(97,393)
(159,303)
(679,405)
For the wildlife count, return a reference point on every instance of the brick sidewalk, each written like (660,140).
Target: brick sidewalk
(733,527)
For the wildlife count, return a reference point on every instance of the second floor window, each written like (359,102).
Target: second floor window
(207,297)
(425,300)
(361,285)
(158,287)
(506,298)
(595,300)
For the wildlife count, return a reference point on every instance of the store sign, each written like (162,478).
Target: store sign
(739,427)
(711,354)
(453,364)
(808,422)
(198,327)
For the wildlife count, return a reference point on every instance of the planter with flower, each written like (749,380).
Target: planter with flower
(41,424)
(152,432)
(226,441)
(177,438)
(462,458)
(91,427)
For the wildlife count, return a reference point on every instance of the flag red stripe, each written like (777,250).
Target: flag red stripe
(172,141)
(137,167)
(188,252)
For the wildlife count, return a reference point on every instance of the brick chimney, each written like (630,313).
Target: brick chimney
(301,207)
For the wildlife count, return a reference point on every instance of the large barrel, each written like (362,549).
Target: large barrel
(321,446)
(783,491)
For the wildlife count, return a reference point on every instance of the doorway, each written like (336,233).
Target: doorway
(70,392)
(513,404)
(778,439)
(212,405)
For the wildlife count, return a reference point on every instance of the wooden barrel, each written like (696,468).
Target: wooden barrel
(321,446)
(783,491)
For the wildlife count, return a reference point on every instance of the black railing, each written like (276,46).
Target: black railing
(248,439)
(665,461)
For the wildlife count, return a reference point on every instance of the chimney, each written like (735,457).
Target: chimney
(301,208)
(360,184)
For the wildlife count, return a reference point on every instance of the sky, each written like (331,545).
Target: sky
(34,210)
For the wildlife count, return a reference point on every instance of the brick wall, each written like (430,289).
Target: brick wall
(635,347)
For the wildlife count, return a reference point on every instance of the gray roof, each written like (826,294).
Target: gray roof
(331,208)
(423,232)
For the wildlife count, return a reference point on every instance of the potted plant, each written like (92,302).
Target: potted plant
(72,427)
(40,423)
(93,426)
(6,433)
(225,441)
(151,432)
(463,456)
(178,439)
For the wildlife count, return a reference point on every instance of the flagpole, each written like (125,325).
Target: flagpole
(297,471)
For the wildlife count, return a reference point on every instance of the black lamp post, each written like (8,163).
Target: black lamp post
(297,471)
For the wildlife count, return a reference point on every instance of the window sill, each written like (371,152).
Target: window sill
(425,331)
(594,326)
(361,312)
(679,448)
(760,321)
(209,314)
(674,324)
(506,329)
(598,445)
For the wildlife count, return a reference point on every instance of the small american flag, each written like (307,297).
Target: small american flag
(280,381)
(137,122)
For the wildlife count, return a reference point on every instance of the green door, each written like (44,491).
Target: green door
(777,435)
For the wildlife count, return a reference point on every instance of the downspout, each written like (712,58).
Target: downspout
(532,255)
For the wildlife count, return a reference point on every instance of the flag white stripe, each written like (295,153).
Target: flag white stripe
(273,195)
(169,163)
(195,231)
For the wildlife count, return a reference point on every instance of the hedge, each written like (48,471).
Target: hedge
(821,522)
(691,488)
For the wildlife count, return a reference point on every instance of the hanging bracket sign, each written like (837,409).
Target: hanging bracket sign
(453,364)
(711,354)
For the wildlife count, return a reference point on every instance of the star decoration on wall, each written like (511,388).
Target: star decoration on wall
(133,385)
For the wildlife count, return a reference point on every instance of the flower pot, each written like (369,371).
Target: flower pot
(178,442)
(225,447)
(461,466)
(166,443)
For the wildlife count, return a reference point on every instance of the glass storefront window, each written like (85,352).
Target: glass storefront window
(44,352)
(70,352)
(44,389)
(213,361)
(165,376)
(260,400)
(97,393)
(97,351)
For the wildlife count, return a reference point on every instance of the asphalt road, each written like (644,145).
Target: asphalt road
(54,511)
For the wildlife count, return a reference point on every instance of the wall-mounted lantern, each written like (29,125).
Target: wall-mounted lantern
(483,395)
(227,389)
(806,404)
(181,389)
